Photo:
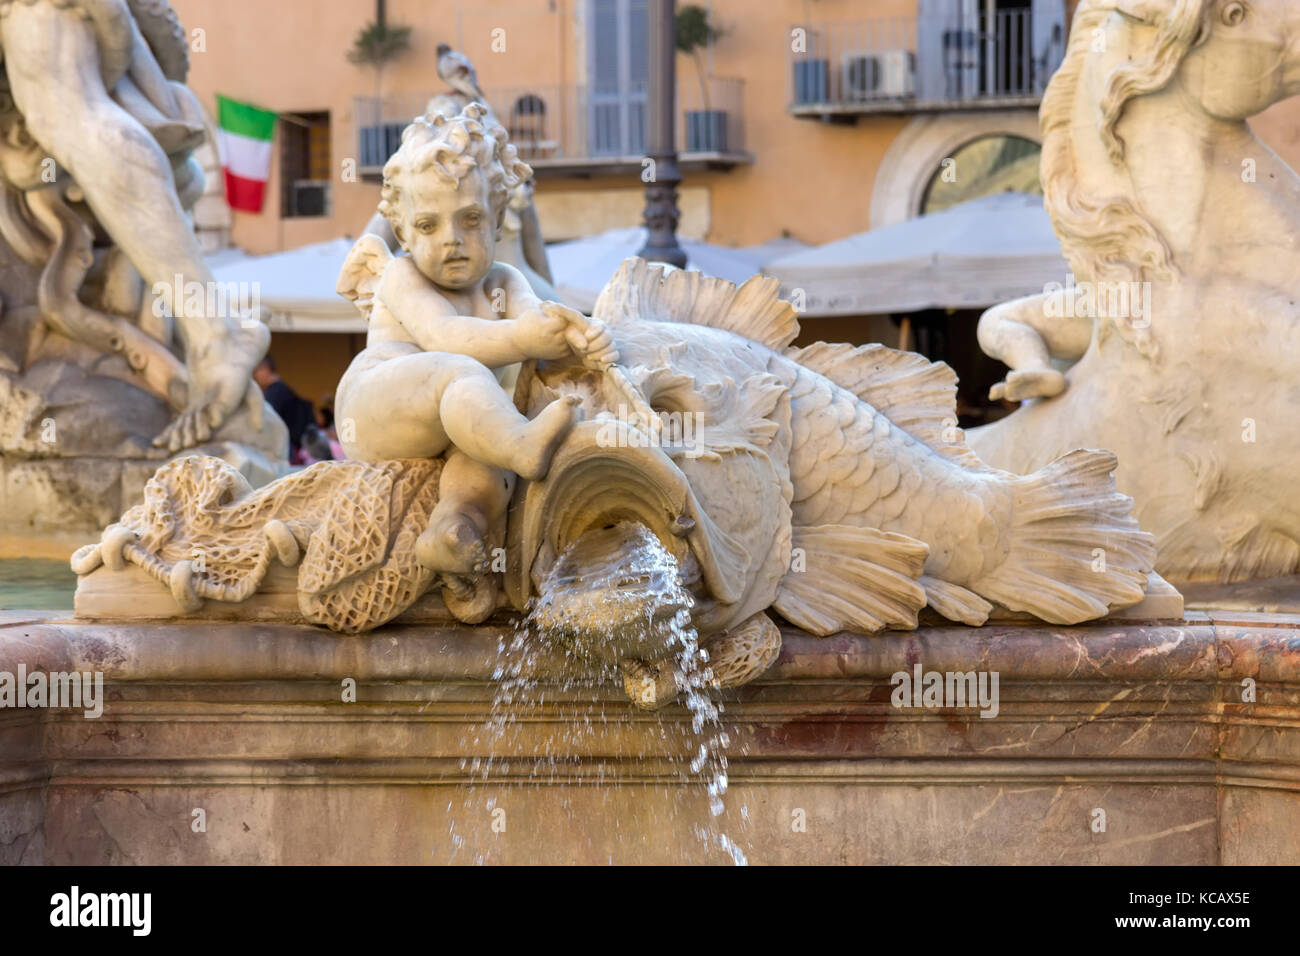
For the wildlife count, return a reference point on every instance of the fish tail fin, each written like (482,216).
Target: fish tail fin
(1076,550)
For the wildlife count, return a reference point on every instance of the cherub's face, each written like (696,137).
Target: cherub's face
(449,231)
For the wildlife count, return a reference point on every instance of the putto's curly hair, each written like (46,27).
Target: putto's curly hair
(451,146)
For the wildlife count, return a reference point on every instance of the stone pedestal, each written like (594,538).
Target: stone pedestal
(1138,726)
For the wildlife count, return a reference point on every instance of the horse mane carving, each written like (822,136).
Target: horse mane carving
(1107,238)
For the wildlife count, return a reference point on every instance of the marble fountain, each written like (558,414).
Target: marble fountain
(654,585)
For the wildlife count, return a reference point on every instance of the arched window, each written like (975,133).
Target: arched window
(528,124)
(988,165)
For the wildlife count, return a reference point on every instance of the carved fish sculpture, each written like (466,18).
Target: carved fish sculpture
(830,483)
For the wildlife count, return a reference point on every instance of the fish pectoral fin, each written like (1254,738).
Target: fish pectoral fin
(955,602)
(846,578)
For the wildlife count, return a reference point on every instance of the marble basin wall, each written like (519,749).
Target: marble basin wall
(238,743)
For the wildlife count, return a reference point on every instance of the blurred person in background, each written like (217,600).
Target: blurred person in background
(296,412)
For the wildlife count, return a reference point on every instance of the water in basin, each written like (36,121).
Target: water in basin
(36,584)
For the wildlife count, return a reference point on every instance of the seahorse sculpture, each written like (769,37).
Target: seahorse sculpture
(1181,230)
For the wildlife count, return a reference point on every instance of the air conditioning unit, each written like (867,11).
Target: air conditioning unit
(310,198)
(890,74)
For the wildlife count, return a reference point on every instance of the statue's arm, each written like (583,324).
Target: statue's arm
(520,299)
(549,323)
(381,227)
(1027,334)
(533,243)
(434,324)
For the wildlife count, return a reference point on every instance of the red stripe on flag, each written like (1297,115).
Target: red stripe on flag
(244,194)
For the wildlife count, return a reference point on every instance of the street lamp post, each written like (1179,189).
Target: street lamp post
(661,173)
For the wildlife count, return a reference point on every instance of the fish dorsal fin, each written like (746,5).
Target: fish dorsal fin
(917,395)
(362,270)
(640,291)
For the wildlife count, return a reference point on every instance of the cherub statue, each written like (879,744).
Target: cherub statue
(448,327)
(523,246)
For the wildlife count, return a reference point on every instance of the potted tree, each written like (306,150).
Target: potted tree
(706,129)
(376,45)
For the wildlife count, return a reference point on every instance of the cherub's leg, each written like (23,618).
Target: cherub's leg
(472,499)
(1026,334)
(389,408)
(483,422)
(414,405)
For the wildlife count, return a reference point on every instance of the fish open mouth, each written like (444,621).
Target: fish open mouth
(607,543)
(613,594)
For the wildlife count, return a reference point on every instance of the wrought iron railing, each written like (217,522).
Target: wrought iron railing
(572,123)
(906,62)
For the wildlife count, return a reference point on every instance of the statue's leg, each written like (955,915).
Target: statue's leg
(51,56)
(388,407)
(482,421)
(472,500)
(415,405)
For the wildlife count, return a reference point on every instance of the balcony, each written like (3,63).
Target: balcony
(577,130)
(847,69)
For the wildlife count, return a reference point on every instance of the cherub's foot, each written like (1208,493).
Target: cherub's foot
(453,544)
(543,435)
(1028,383)
(471,600)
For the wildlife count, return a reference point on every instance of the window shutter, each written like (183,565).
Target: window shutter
(1049,39)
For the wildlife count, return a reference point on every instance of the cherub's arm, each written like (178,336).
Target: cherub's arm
(435,325)
(587,338)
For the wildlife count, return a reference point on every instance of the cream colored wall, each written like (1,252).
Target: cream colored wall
(810,179)
(574,213)
(292,57)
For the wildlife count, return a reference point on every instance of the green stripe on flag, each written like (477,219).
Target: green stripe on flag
(244,120)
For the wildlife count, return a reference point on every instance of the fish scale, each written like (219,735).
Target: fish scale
(888,508)
(880,477)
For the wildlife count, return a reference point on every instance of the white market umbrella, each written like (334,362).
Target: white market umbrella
(974,255)
(582,267)
(296,285)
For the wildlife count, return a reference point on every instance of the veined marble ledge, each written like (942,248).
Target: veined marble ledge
(1143,721)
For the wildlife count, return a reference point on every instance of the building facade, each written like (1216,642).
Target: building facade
(814,119)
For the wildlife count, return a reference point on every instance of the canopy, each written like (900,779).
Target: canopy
(581,267)
(296,285)
(973,255)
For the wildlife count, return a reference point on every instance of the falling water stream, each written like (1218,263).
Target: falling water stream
(612,597)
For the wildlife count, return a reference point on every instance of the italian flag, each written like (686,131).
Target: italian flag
(244,143)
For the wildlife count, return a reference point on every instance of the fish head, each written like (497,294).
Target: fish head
(671,495)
